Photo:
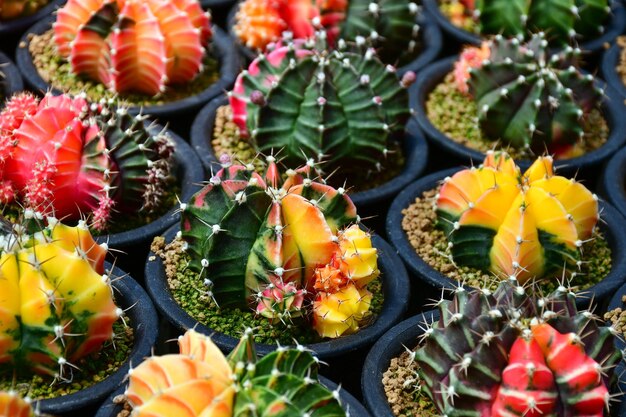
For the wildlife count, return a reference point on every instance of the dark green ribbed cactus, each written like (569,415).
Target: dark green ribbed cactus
(342,106)
(390,24)
(561,20)
(508,353)
(530,99)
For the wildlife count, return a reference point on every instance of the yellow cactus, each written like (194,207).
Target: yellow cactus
(522,226)
(12,405)
(359,258)
(341,312)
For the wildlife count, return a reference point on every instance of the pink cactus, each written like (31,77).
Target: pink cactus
(471,57)
(280,300)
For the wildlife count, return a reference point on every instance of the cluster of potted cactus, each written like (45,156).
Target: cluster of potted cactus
(310,125)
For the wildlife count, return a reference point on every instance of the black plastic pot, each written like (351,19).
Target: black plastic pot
(12,80)
(11,30)
(616,302)
(430,281)
(613,182)
(349,403)
(612,109)
(612,30)
(345,354)
(369,202)
(223,49)
(131,247)
(143,319)
(432,36)
(610,61)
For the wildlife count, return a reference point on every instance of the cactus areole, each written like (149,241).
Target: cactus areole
(510,353)
(343,107)
(282,246)
(141,46)
(523,226)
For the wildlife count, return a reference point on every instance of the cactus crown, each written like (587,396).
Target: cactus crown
(58,305)
(517,354)
(62,156)
(200,381)
(13,9)
(521,226)
(343,106)
(529,99)
(134,45)
(562,20)
(291,236)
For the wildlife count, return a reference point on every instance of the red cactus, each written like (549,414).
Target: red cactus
(133,45)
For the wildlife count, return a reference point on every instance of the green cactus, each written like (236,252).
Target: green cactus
(529,99)
(561,20)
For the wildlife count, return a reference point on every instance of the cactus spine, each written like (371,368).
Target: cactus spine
(522,226)
(132,45)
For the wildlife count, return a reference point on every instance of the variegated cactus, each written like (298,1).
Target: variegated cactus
(522,226)
(134,45)
(58,304)
(260,240)
(201,382)
(60,155)
(13,9)
(12,405)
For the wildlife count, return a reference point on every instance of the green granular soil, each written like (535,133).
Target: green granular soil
(401,383)
(226,140)
(93,369)
(456,115)
(431,245)
(57,72)
(618,318)
(188,293)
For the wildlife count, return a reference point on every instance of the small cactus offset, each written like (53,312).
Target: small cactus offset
(522,226)
(58,304)
(60,155)
(529,99)
(276,244)
(133,45)
(344,106)
(13,9)
(510,353)
(201,382)
(12,405)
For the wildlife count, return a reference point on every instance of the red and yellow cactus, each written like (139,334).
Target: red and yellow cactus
(57,304)
(201,382)
(13,9)
(288,234)
(523,226)
(133,45)
(12,405)
(63,157)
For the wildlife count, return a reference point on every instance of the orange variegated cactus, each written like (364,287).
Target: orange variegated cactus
(523,226)
(133,45)
(12,405)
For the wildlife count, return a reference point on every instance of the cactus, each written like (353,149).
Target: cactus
(522,226)
(529,99)
(61,156)
(12,405)
(344,106)
(509,353)
(133,45)
(561,20)
(58,305)
(13,9)
(286,233)
(201,382)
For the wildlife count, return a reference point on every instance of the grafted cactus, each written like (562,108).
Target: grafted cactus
(528,98)
(201,382)
(342,106)
(63,156)
(255,239)
(522,226)
(13,9)
(509,353)
(58,305)
(133,45)
(12,405)
(561,20)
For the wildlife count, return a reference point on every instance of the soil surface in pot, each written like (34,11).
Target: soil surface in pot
(456,115)
(57,72)
(618,318)
(188,293)
(431,245)
(226,139)
(621,64)
(91,369)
